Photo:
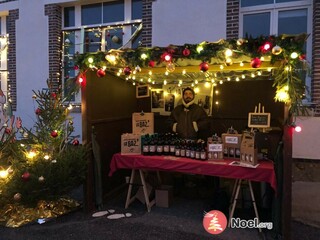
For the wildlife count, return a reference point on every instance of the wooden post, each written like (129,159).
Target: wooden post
(86,138)
(287,182)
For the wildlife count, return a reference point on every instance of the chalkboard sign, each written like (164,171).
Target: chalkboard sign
(259,120)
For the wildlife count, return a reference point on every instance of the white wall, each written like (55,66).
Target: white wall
(31,56)
(179,21)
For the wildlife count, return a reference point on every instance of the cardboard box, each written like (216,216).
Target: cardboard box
(142,123)
(164,196)
(214,149)
(231,144)
(249,152)
(130,144)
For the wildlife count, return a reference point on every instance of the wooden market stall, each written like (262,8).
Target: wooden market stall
(241,73)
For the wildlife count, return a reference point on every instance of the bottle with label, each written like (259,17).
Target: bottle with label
(177,149)
(145,146)
(193,150)
(203,152)
(152,146)
(188,149)
(166,145)
(160,145)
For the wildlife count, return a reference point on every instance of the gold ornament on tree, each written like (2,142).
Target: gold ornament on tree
(276,50)
(170,67)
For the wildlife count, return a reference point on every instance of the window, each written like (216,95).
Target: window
(91,14)
(136,9)
(256,24)
(113,11)
(69,17)
(275,17)
(98,27)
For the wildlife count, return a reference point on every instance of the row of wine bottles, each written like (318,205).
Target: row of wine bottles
(172,144)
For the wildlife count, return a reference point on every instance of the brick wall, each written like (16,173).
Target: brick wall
(12,68)
(146,34)
(54,13)
(233,18)
(315,79)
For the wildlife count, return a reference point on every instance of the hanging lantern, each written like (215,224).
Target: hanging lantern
(204,66)
(276,50)
(255,63)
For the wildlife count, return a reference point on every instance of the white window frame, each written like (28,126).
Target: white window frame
(4,38)
(80,31)
(274,10)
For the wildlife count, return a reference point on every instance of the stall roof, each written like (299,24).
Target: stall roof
(280,58)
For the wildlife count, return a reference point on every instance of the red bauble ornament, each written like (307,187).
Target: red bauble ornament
(166,57)
(151,63)
(186,52)
(75,67)
(25,176)
(204,66)
(101,72)
(255,63)
(38,111)
(7,130)
(127,71)
(53,95)
(54,134)
(302,57)
(75,142)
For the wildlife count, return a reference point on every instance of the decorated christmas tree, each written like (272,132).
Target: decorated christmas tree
(40,164)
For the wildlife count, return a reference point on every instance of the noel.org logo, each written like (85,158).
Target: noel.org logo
(214,222)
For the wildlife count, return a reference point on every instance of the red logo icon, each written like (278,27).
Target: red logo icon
(214,222)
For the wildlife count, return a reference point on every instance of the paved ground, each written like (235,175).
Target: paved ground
(182,220)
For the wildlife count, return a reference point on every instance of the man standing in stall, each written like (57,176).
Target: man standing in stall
(188,119)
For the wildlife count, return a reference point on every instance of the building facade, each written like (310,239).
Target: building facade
(40,37)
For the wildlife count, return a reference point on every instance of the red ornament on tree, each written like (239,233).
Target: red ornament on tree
(186,52)
(76,67)
(53,95)
(101,72)
(7,130)
(151,63)
(127,71)
(25,176)
(302,57)
(54,134)
(255,63)
(204,66)
(75,142)
(38,111)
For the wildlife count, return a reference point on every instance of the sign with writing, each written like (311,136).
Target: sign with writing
(232,140)
(259,120)
(130,143)
(143,123)
(212,147)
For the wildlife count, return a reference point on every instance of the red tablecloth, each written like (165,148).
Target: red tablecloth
(221,168)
